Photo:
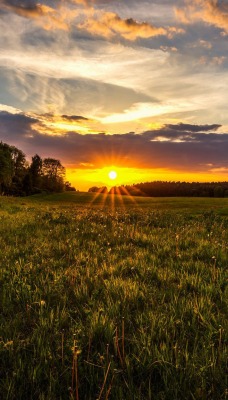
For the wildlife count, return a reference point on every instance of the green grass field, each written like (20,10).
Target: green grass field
(112,298)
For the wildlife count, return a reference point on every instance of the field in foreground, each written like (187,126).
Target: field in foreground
(103,298)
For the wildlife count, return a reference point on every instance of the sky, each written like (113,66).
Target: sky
(138,87)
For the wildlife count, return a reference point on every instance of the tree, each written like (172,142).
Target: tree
(36,171)
(95,189)
(6,167)
(19,161)
(27,186)
(19,171)
(218,191)
(69,188)
(53,175)
(12,169)
(19,179)
(104,190)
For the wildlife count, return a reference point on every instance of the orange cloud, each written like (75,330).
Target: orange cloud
(48,17)
(108,24)
(102,23)
(28,12)
(208,11)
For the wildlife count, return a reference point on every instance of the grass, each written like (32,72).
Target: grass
(189,204)
(125,301)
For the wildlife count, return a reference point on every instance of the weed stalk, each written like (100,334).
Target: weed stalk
(105,379)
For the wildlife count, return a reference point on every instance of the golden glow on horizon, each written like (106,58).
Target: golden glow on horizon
(112,175)
(85,178)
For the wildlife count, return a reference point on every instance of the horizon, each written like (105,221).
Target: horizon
(137,88)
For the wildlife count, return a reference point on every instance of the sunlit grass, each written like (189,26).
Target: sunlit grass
(131,295)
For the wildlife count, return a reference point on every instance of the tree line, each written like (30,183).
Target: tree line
(19,178)
(168,189)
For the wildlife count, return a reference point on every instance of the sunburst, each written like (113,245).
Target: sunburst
(112,175)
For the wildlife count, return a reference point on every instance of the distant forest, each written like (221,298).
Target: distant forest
(169,189)
(19,178)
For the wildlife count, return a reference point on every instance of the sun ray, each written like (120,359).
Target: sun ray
(120,197)
(102,196)
(127,193)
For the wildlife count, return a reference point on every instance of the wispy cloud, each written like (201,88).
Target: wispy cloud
(146,110)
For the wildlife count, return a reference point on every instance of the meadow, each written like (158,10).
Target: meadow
(112,298)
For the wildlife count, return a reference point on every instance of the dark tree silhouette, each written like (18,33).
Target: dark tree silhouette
(13,169)
(17,178)
(6,167)
(170,189)
(69,188)
(53,175)
(95,189)
(36,171)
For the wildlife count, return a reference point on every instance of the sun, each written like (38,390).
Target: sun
(112,175)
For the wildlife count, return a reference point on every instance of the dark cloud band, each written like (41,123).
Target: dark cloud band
(163,148)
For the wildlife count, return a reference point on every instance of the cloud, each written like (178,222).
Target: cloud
(47,17)
(29,89)
(77,118)
(135,112)
(202,43)
(17,118)
(209,11)
(34,8)
(185,148)
(30,124)
(173,135)
(18,126)
(25,9)
(134,84)
(193,128)
(145,110)
(96,22)
(51,117)
(109,24)
(54,124)
(214,61)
